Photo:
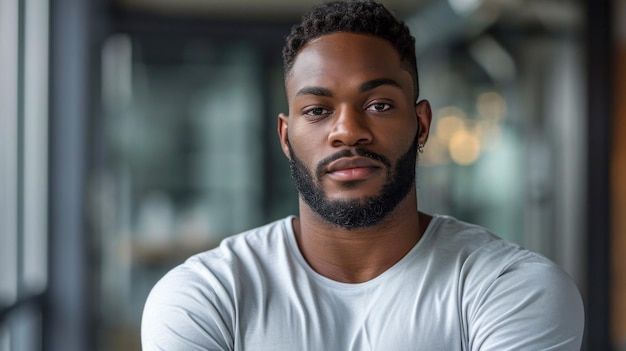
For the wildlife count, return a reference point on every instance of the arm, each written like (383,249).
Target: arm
(531,305)
(183,313)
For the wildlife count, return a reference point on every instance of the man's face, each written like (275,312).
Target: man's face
(352,130)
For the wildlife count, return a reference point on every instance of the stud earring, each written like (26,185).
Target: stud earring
(420,148)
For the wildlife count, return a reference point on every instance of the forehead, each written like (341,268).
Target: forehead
(342,58)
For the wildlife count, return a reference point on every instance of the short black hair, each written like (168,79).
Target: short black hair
(356,16)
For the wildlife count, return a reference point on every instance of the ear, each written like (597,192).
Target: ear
(283,135)
(424,118)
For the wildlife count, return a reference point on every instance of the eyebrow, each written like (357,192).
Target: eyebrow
(369,85)
(314,91)
(375,83)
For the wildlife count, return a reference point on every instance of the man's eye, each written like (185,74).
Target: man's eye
(317,111)
(379,107)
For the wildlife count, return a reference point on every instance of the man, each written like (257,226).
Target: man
(360,268)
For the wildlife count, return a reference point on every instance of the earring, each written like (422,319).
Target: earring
(420,148)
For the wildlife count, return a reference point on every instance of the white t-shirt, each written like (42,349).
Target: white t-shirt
(459,288)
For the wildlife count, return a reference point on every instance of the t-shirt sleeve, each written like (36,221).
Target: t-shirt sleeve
(182,312)
(531,305)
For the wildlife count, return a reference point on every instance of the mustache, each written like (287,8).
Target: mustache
(319,172)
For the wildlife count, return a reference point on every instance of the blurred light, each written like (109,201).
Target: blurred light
(117,70)
(464,7)
(448,126)
(494,59)
(491,106)
(462,19)
(451,111)
(489,133)
(451,119)
(464,147)
(558,15)
(435,153)
(156,216)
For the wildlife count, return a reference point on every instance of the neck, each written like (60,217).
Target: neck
(359,255)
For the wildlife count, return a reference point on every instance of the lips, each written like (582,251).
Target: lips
(352,168)
(352,162)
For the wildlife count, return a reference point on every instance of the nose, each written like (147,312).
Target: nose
(350,128)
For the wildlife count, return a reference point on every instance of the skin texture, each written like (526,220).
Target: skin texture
(349,92)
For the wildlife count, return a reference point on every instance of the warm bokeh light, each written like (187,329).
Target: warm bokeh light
(450,120)
(462,138)
(451,111)
(435,153)
(491,106)
(464,147)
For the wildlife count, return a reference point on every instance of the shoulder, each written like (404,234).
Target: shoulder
(527,303)
(450,232)
(195,303)
(183,310)
(480,252)
(511,297)
(239,251)
(216,268)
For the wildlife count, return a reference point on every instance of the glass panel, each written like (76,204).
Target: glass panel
(27,329)
(185,163)
(35,146)
(23,330)
(23,171)
(5,338)
(8,150)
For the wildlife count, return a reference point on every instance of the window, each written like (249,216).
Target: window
(23,171)
(190,156)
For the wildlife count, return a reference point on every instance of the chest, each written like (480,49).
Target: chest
(403,314)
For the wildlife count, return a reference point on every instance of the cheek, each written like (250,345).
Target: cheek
(305,143)
(397,138)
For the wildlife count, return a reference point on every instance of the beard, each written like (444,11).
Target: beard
(360,212)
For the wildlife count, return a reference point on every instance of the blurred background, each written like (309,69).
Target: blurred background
(135,133)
